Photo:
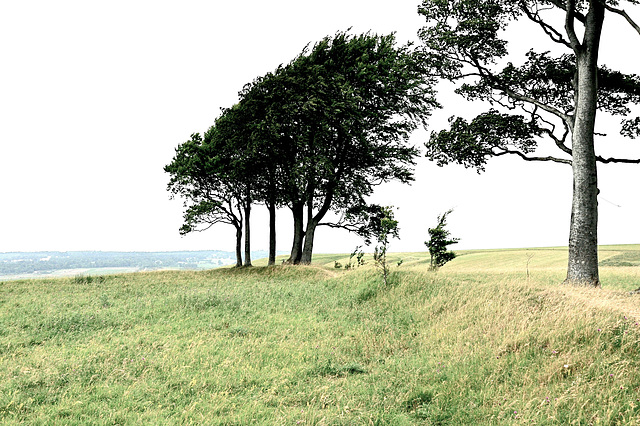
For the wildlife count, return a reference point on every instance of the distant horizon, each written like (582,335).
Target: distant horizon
(283,252)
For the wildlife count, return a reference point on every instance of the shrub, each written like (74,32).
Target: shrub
(438,242)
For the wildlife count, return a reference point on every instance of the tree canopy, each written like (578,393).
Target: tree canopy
(315,135)
(364,96)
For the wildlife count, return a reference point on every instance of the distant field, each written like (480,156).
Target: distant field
(480,341)
(511,261)
(68,273)
(29,265)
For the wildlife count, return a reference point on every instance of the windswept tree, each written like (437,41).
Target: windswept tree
(439,241)
(209,195)
(214,176)
(265,105)
(231,147)
(548,98)
(351,105)
(316,135)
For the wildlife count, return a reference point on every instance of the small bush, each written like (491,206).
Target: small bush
(367,293)
(438,242)
(104,301)
(88,279)
(83,279)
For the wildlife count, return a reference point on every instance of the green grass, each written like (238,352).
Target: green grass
(478,342)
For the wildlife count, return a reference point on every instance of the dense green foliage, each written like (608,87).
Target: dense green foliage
(476,343)
(439,241)
(316,135)
(530,103)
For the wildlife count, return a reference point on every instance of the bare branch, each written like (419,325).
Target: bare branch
(553,34)
(617,160)
(625,15)
(560,4)
(340,225)
(560,143)
(203,229)
(524,157)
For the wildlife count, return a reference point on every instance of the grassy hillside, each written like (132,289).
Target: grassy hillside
(478,342)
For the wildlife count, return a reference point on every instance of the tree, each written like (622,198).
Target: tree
(439,240)
(231,146)
(385,228)
(214,176)
(210,197)
(260,100)
(352,102)
(546,98)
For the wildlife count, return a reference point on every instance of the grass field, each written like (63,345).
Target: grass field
(492,338)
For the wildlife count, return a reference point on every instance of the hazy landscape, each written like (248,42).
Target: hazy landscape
(491,338)
(21,265)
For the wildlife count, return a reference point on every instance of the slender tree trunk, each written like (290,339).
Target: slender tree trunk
(307,251)
(309,234)
(297,209)
(272,234)
(583,236)
(247,235)
(238,246)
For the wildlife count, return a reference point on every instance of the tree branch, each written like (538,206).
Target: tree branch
(560,4)
(495,84)
(569,26)
(617,160)
(625,15)
(203,229)
(560,142)
(346,226)
(564,117)
(553,34)
(524,157)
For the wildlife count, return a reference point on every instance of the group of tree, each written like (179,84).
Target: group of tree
(315,136)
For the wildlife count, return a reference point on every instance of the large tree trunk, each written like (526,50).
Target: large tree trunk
(583,236)
(297,209)
(238,246)
(312,224)
(247,235)
(272,234)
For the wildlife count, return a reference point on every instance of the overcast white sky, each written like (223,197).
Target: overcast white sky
(95,96)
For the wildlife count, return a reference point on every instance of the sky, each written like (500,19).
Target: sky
(96,96)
